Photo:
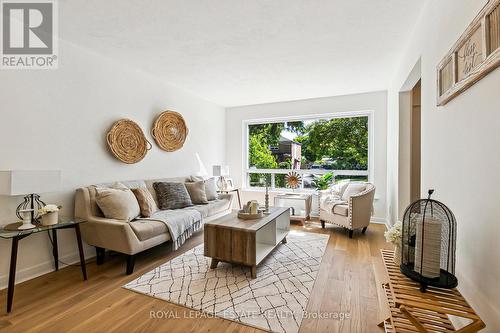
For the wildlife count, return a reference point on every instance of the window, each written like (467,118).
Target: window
(310,146)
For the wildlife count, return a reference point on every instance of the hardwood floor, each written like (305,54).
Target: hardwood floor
(348,282)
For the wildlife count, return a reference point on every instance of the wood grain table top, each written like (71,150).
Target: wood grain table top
(231,221)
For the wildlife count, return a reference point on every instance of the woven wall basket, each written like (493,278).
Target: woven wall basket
(170,131)
(127,141)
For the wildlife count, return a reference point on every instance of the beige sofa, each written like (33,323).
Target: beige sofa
(352,212)
(135,236)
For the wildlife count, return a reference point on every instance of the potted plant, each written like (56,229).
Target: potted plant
(321,183)
(49,214)
(393,236)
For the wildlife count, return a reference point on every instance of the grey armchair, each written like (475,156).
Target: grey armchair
(351,211)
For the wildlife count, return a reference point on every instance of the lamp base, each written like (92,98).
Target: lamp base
(31,202)
(222,183)
(26,226)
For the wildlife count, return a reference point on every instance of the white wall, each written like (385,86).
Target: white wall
(375,101)
(58,119)
(460,158)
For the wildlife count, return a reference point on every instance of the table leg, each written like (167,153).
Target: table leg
(413,320)
(80,250)
(254,272)
(12,273)
(55,251)
(239,199)
(214,263)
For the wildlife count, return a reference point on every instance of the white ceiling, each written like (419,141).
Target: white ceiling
(238,52)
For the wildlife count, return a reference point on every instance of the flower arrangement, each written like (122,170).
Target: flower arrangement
(393,235)
(49,209)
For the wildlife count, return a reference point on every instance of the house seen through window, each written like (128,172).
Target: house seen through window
(310,147)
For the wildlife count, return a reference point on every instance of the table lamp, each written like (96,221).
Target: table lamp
(29,183)
(221,171)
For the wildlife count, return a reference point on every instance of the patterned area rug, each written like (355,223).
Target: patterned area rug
(274,301)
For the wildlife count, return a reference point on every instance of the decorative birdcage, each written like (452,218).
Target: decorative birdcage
(429,234)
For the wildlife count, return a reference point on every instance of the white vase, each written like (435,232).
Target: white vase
(397,255)
(50,218)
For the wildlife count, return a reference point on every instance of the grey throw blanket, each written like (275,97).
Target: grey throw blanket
(181,223)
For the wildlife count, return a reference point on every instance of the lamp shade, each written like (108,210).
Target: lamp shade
(22,182)
(220,170)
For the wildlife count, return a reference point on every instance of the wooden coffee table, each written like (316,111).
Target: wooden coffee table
(246,242)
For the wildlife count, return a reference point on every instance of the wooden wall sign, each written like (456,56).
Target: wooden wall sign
(473,56)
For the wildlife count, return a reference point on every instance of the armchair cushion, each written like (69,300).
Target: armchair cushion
(332,204)
(341,209)
(353,189)
(339,188)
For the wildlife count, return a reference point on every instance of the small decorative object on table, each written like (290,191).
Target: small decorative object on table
(393,236)
(49,214)
(26,217)
(222,171)
(293,180)
(251,211)
(429,233)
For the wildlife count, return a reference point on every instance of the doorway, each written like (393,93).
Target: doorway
(409,161)
(415,142)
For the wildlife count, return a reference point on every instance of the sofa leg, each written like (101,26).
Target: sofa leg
(99,251)
(130,263)
(322,224)
(364,230)
(350,233)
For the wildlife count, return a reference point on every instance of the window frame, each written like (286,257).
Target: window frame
(246,170)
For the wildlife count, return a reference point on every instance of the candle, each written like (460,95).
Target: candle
(428,247)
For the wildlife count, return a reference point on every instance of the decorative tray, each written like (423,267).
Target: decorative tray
(247,216)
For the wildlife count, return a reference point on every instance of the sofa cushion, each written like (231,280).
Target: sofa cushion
(150,182)
(203,209)
(172,195)
(341,210)
(211,189)
(146,202)
(117,202)
(353,189)
(94,208)
(210,186)
(218,206)
(148,229)
(197,192)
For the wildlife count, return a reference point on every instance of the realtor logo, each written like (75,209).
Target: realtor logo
(29,34)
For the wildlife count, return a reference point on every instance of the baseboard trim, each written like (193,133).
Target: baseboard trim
(378,220)
(32,272)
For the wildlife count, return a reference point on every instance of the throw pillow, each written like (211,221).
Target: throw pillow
(146,202)
(195,178)
(172,195)
(339,188)
(197,192)
(211,189)
(117,202)
(353,189)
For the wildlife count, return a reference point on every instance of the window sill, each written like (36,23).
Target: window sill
(275,191)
